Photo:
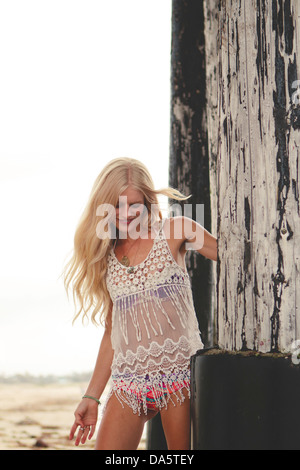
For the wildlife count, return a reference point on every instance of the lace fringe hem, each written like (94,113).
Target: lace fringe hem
(133,391)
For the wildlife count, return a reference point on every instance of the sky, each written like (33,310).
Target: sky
(81,82)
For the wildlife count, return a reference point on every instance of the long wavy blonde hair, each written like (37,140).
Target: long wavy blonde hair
(86,270)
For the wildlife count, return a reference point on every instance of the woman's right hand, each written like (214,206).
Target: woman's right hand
(86,415)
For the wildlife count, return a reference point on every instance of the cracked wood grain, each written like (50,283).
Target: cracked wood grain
(254,142)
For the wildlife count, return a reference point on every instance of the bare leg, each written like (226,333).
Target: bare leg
(120,428)
(176,424)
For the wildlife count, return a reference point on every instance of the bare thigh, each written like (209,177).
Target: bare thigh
(176,424)
(120,428)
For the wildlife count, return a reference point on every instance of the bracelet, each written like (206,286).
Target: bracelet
(92,398)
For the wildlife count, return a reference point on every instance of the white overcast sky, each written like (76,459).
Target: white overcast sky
(81,82)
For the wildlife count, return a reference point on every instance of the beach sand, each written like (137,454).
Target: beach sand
(37,417)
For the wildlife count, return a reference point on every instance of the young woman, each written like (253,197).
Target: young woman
(128,268)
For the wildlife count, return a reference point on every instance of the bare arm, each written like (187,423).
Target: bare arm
(86,413)
(209,248)
(190,235)
(102,371)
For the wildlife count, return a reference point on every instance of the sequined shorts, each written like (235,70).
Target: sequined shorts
(154,396)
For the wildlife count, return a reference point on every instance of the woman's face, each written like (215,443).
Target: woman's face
(129,208)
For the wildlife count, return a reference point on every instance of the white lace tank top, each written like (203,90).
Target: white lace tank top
(154,327)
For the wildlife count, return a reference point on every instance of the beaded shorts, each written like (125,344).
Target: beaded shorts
(152,396)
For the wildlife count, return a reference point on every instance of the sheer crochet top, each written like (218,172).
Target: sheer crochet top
(154,326)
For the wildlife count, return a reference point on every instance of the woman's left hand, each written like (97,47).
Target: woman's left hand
(86,416)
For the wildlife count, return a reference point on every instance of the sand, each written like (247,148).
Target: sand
(37,417)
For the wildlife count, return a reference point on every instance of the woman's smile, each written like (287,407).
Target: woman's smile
(126,221)
(129,208)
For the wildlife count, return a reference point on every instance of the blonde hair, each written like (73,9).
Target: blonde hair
(87,267)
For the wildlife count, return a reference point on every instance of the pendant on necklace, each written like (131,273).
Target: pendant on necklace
(125,261)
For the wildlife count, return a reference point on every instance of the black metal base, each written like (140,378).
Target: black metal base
(155,439)
(244,402)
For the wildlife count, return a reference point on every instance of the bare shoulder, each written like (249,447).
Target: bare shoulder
(178,229)
(175,229)
(185,234)
(172,227)
(172,231)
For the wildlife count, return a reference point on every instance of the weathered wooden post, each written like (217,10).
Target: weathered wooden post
(247,390)
(189,163)
(258,175)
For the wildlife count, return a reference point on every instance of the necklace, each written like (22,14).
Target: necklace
(125,261)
